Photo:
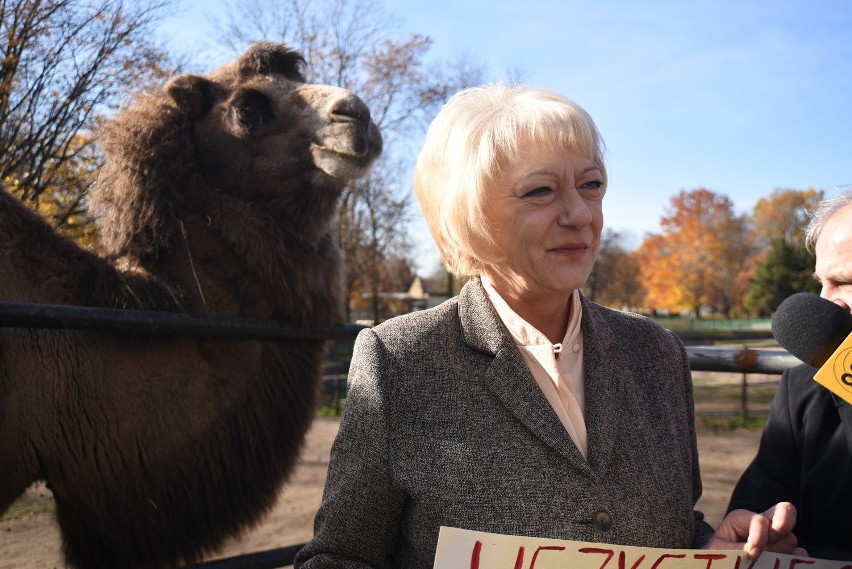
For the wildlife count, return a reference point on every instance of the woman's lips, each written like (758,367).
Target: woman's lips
(570,249)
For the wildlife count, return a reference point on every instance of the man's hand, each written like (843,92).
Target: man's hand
(756,533)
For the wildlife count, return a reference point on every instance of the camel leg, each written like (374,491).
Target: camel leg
(14,478)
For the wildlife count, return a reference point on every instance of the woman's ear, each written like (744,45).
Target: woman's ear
(191,94)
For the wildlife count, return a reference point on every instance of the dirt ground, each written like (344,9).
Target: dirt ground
(34,543)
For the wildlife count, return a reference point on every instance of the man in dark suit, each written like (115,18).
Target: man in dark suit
(805,453)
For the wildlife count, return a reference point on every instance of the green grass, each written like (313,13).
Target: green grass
(731,423)
(726,394)
(29,506)
(330,410)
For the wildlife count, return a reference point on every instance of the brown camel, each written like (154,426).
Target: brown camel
(218,198)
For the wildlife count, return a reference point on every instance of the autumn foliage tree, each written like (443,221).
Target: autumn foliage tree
(657,269)
(783,215)
(783,265)
(355,44)
(614,281)
(63,63)
(694,262)
(64,201)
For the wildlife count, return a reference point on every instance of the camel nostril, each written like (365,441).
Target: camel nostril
(348,109)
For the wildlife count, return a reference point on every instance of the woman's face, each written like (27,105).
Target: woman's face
(546,212)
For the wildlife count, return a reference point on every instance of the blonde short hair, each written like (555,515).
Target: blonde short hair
(479,131)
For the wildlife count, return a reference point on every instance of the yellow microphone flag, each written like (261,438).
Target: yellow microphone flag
(836,373)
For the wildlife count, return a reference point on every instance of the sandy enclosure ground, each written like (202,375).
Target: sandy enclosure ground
(34,543)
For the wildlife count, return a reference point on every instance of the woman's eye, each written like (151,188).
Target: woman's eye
(538,192)
(593,185)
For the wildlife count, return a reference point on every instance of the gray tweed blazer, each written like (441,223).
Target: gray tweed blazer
(445,425)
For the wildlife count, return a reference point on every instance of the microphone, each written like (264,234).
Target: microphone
(810,327)
(819,333)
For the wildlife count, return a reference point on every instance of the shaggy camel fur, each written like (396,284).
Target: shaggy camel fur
(218,198)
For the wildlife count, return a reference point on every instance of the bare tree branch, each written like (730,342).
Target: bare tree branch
(63,63)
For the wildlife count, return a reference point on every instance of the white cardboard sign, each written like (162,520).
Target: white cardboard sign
(465,549)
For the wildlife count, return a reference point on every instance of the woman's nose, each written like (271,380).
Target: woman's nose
(574,211)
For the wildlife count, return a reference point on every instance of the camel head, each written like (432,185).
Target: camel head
(251,134)
(257,122)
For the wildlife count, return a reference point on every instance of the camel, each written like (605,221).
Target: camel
(218,197)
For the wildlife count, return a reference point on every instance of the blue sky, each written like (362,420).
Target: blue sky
(737,96)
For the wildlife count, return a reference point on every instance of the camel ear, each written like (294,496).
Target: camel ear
(191,93)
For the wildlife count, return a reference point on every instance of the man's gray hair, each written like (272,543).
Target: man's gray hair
(825,211)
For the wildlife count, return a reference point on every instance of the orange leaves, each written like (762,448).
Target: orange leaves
(694,262)
(658,275)
(783,215)
(706,258)
(615,279)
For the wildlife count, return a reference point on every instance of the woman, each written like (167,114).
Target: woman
(518,407)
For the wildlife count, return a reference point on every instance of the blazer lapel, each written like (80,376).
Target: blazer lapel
(508,377)
(605,379)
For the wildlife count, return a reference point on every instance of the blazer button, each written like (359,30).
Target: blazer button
(602,521)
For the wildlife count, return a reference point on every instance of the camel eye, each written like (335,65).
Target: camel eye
(250,109)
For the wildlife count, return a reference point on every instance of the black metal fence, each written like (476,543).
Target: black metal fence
(24,315)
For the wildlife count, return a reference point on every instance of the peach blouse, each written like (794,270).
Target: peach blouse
(557,368)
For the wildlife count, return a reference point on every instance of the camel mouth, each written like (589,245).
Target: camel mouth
(342,164)
(345,152)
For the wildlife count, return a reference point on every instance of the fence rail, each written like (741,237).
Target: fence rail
(56,316)
(743,360)
(26,315)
